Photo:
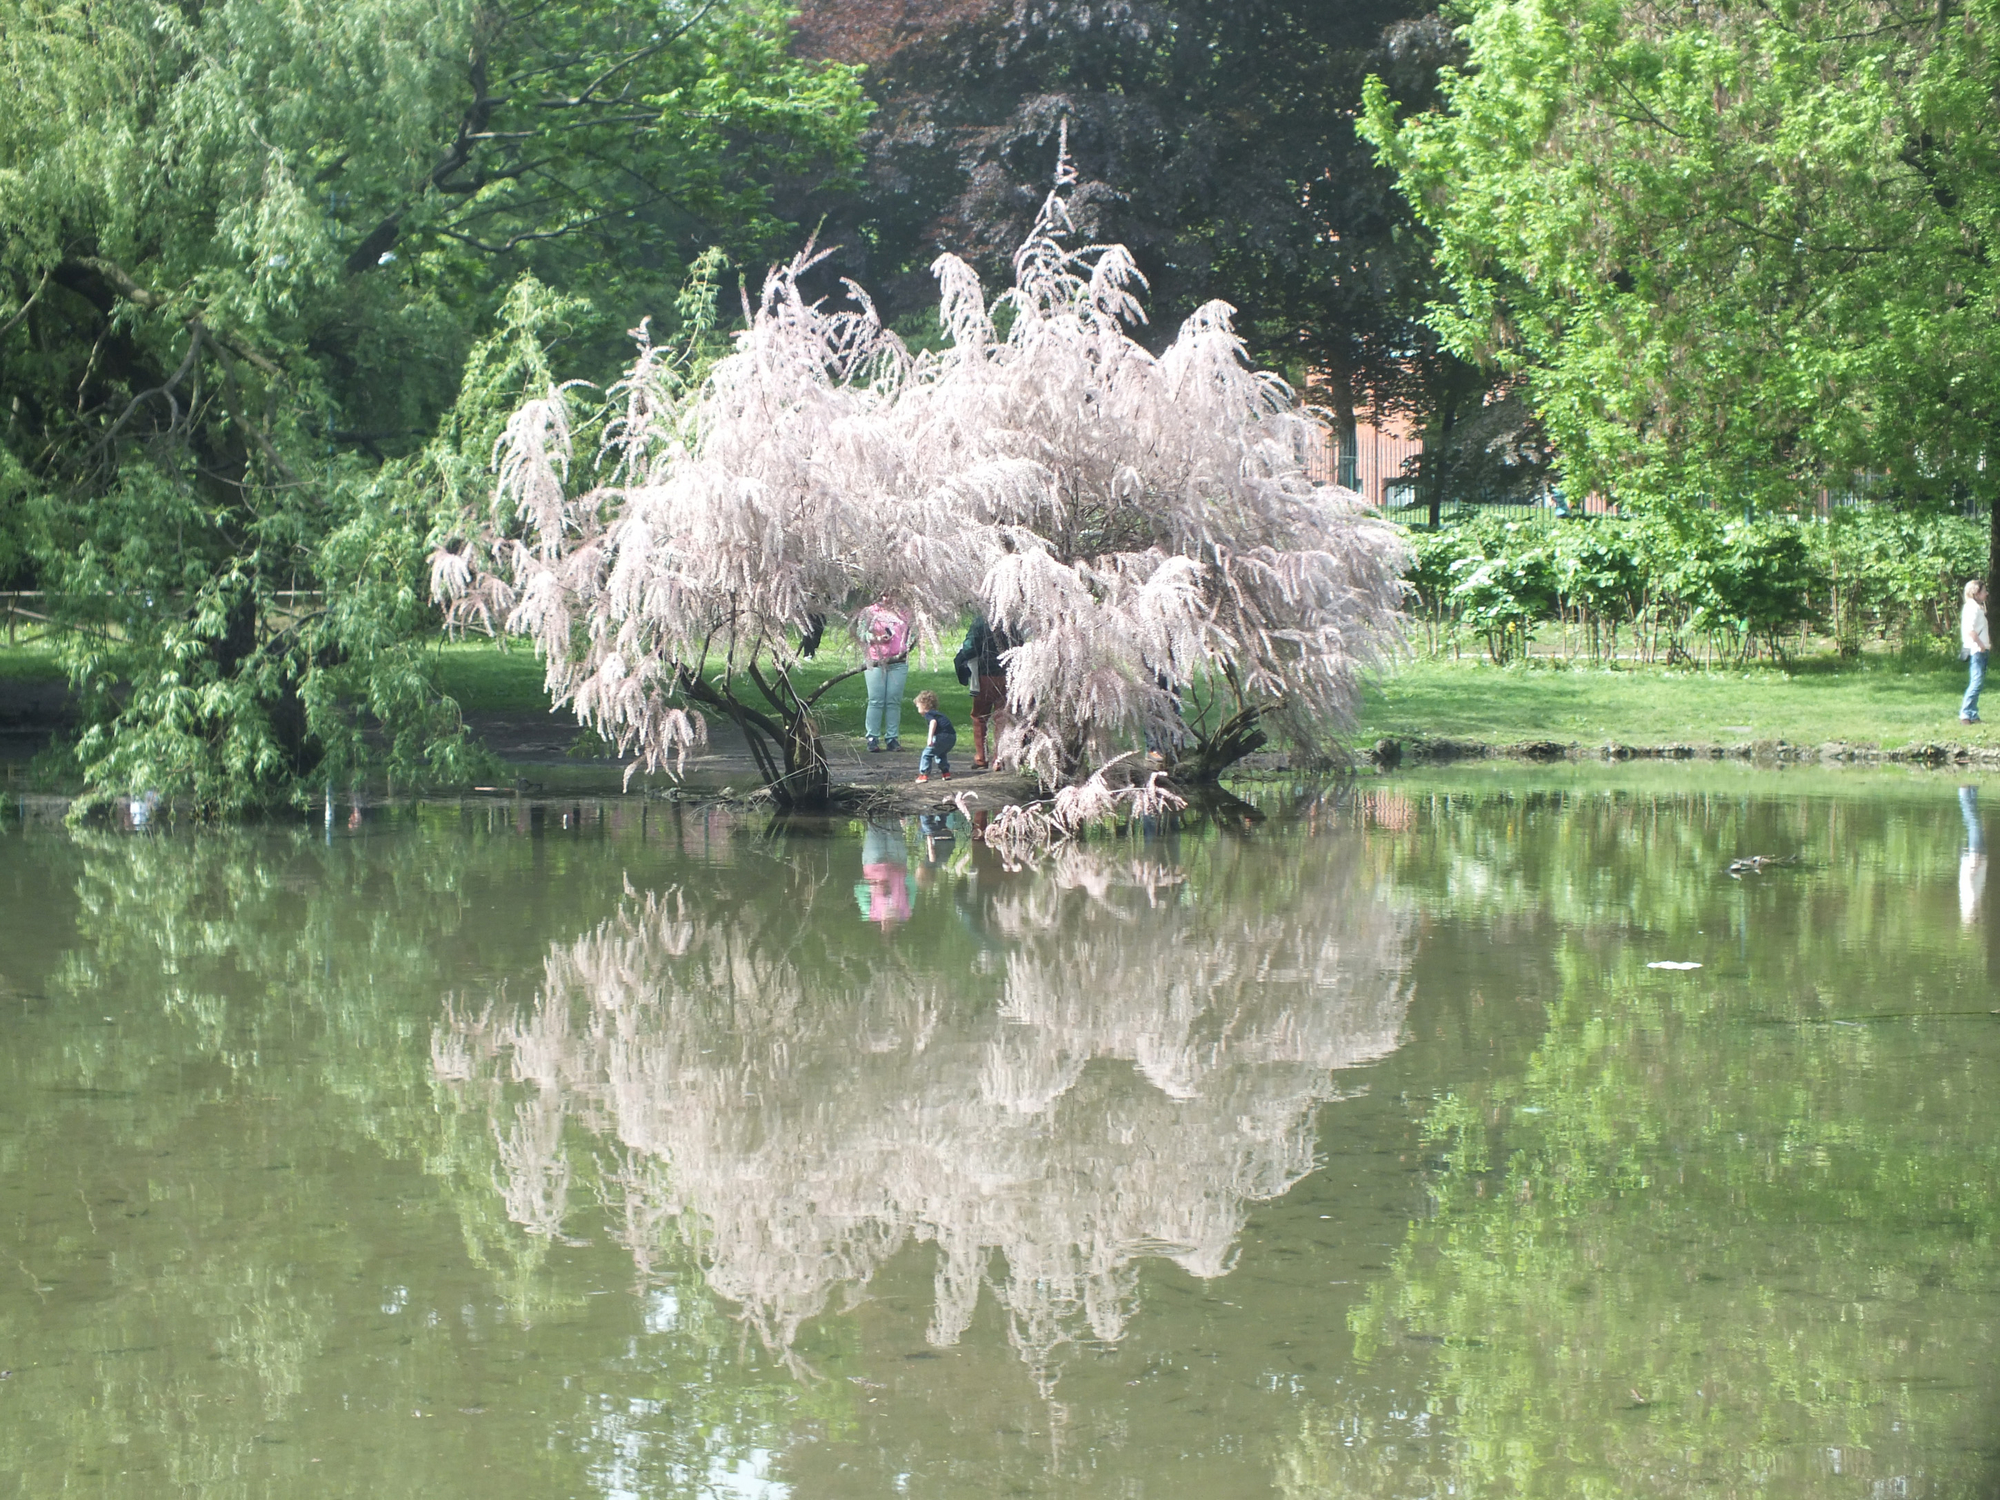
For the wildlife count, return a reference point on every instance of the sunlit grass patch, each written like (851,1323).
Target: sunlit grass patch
(30,661)
(1886,700)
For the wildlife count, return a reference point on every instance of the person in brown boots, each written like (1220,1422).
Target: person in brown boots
(980,668)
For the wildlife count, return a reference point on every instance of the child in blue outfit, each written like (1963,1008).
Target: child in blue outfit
(939,737)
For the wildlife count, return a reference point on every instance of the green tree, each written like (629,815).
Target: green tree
(245,253)
(1720,1227)
(1741,253)
(1216,141)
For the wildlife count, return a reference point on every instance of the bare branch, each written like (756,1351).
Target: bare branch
(165,389)
(584,95)
(26,307)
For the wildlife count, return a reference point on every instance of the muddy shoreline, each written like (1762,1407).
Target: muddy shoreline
(545,755)
(1388,755)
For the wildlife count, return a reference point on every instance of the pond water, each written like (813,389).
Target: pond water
(626,1149)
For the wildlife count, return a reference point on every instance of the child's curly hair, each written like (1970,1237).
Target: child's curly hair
(926,701)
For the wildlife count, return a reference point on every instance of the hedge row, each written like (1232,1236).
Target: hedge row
(1695,585)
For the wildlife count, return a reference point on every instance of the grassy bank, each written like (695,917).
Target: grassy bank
(484,678)
(1890,701)
(1887,701)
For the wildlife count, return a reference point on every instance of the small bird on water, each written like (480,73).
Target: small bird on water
(1758,863)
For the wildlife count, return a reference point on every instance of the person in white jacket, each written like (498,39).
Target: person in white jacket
(1975,641)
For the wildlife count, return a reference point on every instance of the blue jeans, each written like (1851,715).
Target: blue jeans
(935,761)
(1969,709)
(885,698)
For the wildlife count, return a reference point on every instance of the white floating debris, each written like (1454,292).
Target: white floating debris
(1668,963)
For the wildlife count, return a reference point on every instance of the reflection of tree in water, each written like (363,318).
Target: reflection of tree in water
(1139,1061)
(233,1183)
(1722,1234)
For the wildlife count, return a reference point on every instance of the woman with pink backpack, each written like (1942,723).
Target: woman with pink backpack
(884,632)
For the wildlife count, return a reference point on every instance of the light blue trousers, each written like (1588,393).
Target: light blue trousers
(885,698)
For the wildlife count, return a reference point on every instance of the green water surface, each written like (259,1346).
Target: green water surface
(625,1149)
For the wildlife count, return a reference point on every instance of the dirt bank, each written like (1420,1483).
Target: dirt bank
(545,752)
(1389,754)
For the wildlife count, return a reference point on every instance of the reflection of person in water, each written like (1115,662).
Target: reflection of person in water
(884,891)
(938,845)
(1972,863)
(938,838)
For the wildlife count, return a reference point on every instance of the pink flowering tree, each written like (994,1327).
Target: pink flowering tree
(1143,525)
(727,522)
(1170,570)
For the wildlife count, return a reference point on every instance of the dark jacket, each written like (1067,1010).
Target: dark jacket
(981,651)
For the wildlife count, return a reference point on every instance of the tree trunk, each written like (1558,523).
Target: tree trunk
(788,754)
(1992,550)
(808,781)
(1211,755)
(785,743)
(1447,419)
(287,712)
(1340,392)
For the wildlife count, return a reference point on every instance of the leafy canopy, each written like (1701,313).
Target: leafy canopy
(246,251)
(1743,251)
(1216,141)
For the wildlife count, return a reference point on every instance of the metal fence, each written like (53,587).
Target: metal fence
(1406,503)
(1375,467)
(1378,468)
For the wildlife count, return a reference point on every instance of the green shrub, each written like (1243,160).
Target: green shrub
(1429,576)
(1727,584)
(1689,582)
(1600,579)
(1887,571)
(1503,582)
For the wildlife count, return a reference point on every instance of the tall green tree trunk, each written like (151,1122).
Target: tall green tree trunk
(1992,546)
(1435,469)
(1340,393)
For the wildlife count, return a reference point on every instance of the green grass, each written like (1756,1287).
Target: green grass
(484,678)
(30,662)
(1886,701)
(1883,700)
